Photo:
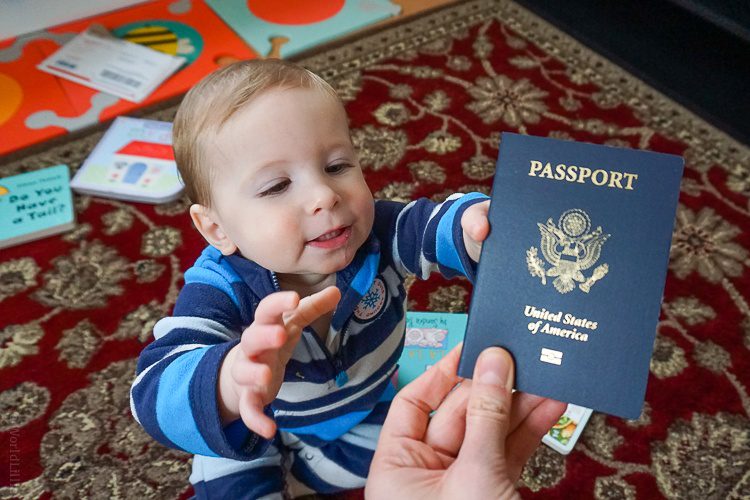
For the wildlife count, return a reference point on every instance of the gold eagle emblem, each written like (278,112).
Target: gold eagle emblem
(570,247)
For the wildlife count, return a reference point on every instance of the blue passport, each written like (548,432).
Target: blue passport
(571,276)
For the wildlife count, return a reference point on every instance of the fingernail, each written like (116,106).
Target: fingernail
(493,368)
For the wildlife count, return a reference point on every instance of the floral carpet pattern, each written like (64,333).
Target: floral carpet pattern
(427,99)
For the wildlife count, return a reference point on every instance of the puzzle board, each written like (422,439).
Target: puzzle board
(305,24)
(42,106)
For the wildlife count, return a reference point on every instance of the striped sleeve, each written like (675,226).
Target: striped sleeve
(427,237)
(174,395)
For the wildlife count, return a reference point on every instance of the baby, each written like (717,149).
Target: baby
(275,368)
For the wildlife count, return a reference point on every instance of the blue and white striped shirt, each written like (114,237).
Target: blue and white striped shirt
(329,387)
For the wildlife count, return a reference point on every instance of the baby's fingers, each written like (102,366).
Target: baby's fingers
(314,306)
(251,411)
(248,373)
(259,338)
(271,309)
(474,221)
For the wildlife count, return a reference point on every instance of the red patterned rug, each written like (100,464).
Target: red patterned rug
(427,101)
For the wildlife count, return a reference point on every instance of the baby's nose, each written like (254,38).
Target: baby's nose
(323,197)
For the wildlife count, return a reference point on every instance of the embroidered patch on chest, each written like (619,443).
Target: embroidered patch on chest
(372,302)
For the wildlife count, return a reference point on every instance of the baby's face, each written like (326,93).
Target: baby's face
(288,190)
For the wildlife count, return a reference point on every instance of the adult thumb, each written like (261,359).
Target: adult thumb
(488,411)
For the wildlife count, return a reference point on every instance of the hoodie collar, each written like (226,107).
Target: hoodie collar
(360,272)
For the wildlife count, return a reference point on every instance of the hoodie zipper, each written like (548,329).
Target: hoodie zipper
(340,375)
(275,281)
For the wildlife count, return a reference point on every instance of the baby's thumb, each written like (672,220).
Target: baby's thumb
(488,411)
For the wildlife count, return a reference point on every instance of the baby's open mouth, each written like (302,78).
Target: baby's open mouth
(330,235)
(332,239)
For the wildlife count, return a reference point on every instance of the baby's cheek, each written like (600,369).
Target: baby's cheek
(366,211)
(269,232)
(272,234)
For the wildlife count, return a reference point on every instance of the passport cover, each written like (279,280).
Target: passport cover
(571,276)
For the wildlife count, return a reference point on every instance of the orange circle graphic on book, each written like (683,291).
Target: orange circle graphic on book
(12,95)
(295,11)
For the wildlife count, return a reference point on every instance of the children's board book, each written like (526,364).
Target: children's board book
(571,276)
(35,204)
(563,435)
(429,337)
(133,161)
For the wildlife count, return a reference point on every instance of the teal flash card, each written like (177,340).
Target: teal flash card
(429,337)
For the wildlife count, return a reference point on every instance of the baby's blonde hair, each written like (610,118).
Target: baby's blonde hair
(213,101)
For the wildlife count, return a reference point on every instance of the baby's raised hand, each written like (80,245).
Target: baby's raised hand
(476,227)
(253,371)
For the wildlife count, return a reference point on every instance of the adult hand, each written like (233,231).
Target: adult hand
(252,372)
(475,444)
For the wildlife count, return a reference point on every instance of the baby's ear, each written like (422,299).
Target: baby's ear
(208,224)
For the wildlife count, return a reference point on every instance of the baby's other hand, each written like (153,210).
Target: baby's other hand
(476,227)
(253,371)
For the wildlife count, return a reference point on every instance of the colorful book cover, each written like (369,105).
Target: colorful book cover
(572,273)
(429,337)
(562,437)
(133,161)
(35,204)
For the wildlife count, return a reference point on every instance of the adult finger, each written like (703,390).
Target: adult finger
(489,407)
(410,410)
(447,426)
(312,307)
(523,404)
(251,411)
(270,310)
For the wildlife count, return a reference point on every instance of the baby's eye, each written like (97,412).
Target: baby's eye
(337,168)
(276,188)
